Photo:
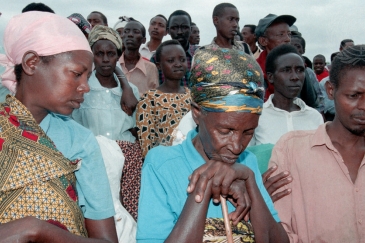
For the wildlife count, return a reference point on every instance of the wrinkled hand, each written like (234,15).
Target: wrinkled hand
(274,183)
(228,181)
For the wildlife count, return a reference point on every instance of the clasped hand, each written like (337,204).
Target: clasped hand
(229,180)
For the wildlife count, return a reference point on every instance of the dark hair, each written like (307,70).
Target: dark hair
(349,59)
(161,16)
(193,24)
(308,62)
(18,68)
(219,9)
(103,17)
(302,41)
(320,56)
(277,52)
(333,55)
(162,45)
(37,7)
(178,13)
(343,42)
(143,29)
(251,26)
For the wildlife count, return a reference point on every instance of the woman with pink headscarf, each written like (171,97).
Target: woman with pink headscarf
(53,184)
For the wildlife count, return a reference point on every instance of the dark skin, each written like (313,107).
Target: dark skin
(157,31)
(132,40)
(220,141)
(348,127)
(69,73)
(173,65)
(105,59)
(226,26)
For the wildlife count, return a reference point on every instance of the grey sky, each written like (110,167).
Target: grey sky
(323,23)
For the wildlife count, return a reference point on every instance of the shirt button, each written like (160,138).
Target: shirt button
(107,134)
(107,91)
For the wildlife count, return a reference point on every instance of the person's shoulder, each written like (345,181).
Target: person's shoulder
(163,156)
(296,137)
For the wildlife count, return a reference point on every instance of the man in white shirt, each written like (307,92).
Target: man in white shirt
(283,111)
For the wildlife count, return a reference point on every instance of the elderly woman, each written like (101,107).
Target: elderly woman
(54,187)
(227,98)
(102,114)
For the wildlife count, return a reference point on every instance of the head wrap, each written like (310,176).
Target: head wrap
(101,32)
(225,80)
(122,22)
(81,22)
(46,33)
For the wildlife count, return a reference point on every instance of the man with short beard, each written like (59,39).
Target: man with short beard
(327,203)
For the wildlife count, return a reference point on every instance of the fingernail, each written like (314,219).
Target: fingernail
(189,188)
(286,173)
(215,200)
(197,198)
(290,178)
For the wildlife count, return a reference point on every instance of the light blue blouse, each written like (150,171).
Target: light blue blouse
(102,114)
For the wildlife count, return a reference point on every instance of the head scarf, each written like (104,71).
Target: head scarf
(46,33)
(81,22)
(101,32)
(225,80)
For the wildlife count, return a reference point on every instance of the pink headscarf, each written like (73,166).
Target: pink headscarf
(45,33)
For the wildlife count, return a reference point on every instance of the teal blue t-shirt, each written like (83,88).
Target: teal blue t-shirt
(163,188)
(77,142)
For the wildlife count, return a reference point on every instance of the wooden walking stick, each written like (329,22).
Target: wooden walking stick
(227,224)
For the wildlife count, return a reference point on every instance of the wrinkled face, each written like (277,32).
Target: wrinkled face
(289,76)
(157,29)
(227,23)
(225,135)
(248,36)
(179,29)
(195,35)
(275,35)
(63,81)
(297,44)
(318,65)
(95,19)
(173,62)
(349,98)
(105,57)
(132,37)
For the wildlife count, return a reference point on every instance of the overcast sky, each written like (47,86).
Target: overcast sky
(323,24)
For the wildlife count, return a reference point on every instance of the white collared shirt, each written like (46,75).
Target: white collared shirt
(275,122)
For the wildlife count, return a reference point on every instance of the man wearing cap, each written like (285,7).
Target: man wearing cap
(273,30)
(120,24)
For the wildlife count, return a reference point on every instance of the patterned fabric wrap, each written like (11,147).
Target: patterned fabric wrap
(35,178)
(214,231)
(81,22)
(225,80)
(131,176)
(101,32)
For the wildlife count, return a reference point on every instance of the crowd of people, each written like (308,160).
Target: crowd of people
(108,137)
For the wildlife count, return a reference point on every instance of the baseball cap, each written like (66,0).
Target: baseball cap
(269,19)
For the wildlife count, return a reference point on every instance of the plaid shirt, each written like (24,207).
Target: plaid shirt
(189,57)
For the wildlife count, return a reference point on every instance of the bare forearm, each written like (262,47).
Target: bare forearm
(266,228)
(190,225)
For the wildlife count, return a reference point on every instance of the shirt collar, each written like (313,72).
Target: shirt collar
(321,137)
(299,102)
(140,65)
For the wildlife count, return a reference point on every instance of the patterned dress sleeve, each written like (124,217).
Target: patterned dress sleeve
(146,122)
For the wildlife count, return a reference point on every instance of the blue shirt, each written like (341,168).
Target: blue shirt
(76,142)
(163,188)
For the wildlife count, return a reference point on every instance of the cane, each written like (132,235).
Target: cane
(227,225)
